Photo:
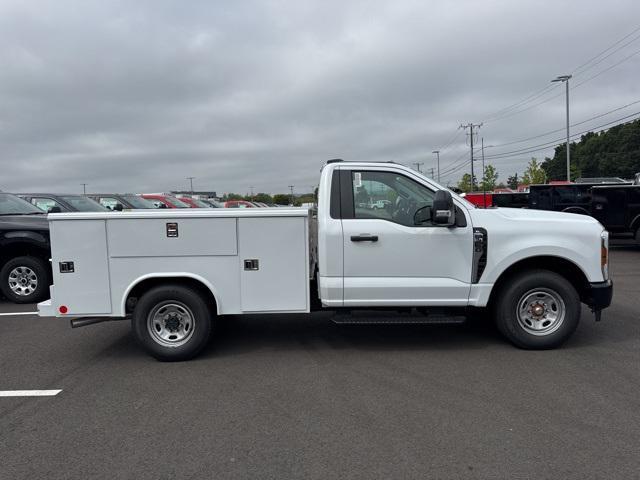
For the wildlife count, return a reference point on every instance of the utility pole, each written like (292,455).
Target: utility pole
(251,188)
(437,152)
(432,169)
(471,126)
(191,183)
(417,164)
(84,188)
(565,80)
(291,188)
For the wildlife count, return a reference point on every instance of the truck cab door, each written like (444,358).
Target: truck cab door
(392,256)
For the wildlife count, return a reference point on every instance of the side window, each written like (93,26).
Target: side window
(390,196)
(45,203)
(108,202)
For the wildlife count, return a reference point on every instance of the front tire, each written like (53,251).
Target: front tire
(25,279)
(537,309)
(172,322)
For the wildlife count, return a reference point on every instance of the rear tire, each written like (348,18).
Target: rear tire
(25,279)
(172,323)
(537,309)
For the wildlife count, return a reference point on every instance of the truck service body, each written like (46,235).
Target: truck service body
(173,271)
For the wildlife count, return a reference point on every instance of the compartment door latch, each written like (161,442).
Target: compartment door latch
(251,264)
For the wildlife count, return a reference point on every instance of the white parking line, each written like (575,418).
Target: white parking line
(17,313)
(29,393)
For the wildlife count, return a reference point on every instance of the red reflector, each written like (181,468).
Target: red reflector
(63,309)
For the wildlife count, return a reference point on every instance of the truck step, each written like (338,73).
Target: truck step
(374,317)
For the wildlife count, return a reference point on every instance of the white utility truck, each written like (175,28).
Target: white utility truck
(172,272)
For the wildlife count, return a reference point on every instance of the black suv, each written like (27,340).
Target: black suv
(55,203)
(25,271)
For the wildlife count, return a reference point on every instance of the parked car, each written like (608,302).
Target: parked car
(239,204)
(432,251)
(616,206)
(125,201)
(511,200)
(194,202)
(212,203)
(55,203)
(161,200)
(25,272)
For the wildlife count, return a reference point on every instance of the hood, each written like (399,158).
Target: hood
(24,222)
(480,215)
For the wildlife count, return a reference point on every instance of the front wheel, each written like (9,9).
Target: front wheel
(538,309)
(172,322)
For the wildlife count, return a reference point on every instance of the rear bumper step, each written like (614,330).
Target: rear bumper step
(84,321)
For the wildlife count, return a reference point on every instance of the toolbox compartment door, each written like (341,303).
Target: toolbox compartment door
(273,256)
(80,246)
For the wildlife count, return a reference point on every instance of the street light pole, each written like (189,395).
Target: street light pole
(565,80)
(437,152)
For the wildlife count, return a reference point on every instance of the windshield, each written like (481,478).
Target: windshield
(82,204)
(12,205)
(138,202)
(176,203)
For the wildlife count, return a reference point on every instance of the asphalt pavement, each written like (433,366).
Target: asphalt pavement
(278,397)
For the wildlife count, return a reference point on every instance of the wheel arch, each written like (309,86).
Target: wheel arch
(144,283)
(576,210)
(563,267)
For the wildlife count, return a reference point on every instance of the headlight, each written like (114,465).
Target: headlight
(604,254)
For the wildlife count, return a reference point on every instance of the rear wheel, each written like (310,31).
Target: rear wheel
(25,279)
(172,322)
(538,309)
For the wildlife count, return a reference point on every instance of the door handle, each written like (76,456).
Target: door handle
(364,237)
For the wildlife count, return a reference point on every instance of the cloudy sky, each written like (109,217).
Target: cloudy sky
(137,95)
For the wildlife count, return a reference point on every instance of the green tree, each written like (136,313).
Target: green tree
(534,173)
(465,183)
(282,199)
(263,197)
(489,179)
(612,153)
(512,181)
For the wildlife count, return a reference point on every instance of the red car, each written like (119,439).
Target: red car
(194,202)
(164,201)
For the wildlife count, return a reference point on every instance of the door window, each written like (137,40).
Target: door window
(108,202)
(45,204)
(390,196)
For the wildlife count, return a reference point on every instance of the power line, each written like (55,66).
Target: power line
(576,71)
(572,125)
(544,146)
(506,113)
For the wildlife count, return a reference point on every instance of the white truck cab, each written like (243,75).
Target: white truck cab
(172,272)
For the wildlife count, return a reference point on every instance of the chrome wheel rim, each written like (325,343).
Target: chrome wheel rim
(540,311)
(171,324)
(23,281)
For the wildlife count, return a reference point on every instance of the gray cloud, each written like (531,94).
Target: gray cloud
(135,96)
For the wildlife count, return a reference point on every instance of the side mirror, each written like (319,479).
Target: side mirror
(444,211)
(54,209)
(422,216)
(118,207)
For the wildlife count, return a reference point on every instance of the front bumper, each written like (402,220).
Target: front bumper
(600,295)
